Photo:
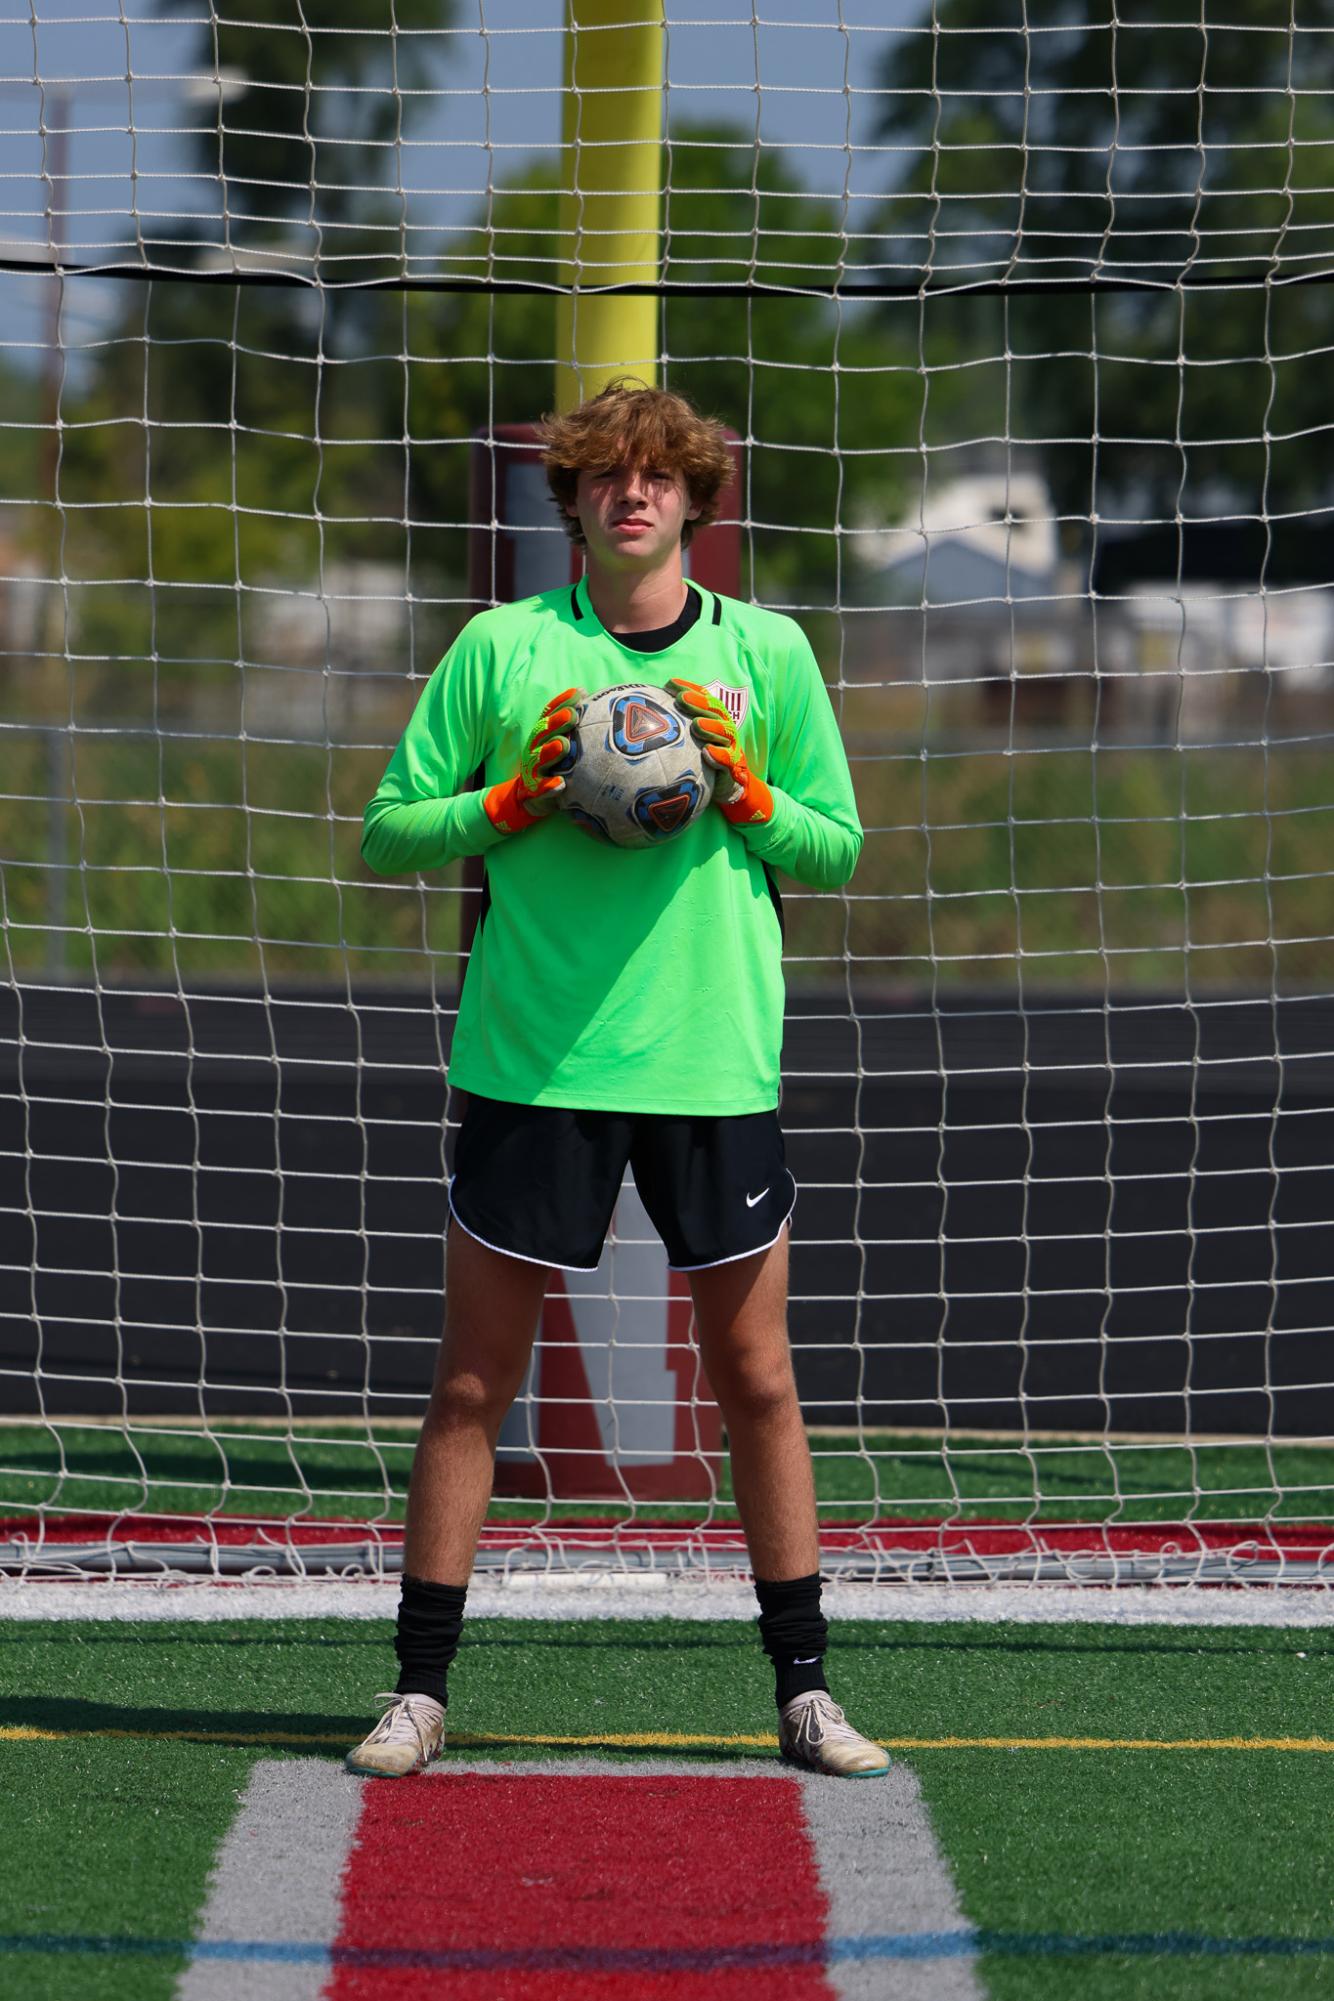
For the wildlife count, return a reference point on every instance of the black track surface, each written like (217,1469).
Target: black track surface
(1077,1217)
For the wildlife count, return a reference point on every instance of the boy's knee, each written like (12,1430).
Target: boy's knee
(752,1391)
(469,1398)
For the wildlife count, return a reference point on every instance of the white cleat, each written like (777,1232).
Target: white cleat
(405,1739)
(814,1732)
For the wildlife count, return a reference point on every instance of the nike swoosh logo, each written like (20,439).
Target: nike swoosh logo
(751,1200)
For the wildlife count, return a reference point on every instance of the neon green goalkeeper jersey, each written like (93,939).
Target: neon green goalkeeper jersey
(614,979)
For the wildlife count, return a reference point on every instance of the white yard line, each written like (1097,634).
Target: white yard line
(275,1884)
(891,1894)
(550,1596)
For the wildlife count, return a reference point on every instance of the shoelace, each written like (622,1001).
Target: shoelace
(821,1719)
(398,1714)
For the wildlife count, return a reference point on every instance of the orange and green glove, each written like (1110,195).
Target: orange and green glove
(538,783)
(738,794)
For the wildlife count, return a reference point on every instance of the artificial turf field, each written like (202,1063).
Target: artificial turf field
(1197,1863)
(341,1469)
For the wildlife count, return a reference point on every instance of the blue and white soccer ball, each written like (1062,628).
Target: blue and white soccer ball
(635,775)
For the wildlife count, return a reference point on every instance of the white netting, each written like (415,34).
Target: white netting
(1021,317)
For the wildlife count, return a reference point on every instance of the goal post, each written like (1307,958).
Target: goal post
(610,222)
(1025,339)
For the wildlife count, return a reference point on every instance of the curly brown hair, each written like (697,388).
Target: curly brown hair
(628,423)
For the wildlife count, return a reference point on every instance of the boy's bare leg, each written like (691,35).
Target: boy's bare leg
(492,1303)
(491,1308)
(741,1315)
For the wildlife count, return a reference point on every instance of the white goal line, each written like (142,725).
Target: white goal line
(572,1597)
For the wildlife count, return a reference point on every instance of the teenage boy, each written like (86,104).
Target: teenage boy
(620,1006)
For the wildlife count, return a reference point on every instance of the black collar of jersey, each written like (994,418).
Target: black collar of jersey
(662,636)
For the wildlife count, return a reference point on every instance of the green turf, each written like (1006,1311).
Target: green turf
(1212,1843)
(101,1843)
(162,1470)
(114,1836)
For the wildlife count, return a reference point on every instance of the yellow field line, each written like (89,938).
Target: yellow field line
(669,1740)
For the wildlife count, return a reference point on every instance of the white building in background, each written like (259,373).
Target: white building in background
(360,612)
(1216,629)
(988,537)
(322,659)
(972,586)
(975,588)
(22,592)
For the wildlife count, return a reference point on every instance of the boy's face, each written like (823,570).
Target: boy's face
(632,516)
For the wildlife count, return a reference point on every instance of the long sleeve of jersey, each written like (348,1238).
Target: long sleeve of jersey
(422,815)
(815,833)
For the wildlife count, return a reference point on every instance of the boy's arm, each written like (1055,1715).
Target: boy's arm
(422,815)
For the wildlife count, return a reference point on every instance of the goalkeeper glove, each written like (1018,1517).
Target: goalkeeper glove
(738,794)
(537,784)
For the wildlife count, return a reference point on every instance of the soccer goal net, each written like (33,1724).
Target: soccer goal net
(1020,317)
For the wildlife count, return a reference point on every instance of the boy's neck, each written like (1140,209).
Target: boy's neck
(625,602)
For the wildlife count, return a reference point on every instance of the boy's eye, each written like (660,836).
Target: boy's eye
(651,475)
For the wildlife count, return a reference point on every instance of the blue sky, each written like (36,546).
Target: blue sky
(814,60)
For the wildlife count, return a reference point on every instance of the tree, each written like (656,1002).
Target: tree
(828,403)
(312,107)
(216,427)
(276,421)
(1050,146)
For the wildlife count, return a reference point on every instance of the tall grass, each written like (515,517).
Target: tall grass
(1047,863)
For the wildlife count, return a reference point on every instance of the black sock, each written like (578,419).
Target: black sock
(793,1633)
(430,1620)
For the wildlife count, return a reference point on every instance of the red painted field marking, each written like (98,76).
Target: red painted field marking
(644,1884)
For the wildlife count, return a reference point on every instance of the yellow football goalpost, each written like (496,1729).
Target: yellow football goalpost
(611,194)
(600,1365)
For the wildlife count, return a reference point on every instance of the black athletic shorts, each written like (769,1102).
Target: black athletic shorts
(540,1182)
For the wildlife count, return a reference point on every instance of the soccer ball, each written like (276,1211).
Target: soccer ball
(635,775)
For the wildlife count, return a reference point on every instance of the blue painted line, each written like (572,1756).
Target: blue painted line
(1075,1945)
(1151,1945)
(594,1959)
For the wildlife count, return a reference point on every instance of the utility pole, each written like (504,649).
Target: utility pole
(49,631)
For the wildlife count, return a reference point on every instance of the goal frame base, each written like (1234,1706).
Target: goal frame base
(893,1553)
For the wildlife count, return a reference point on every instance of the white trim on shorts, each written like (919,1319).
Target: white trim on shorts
(545,1264)
(716,1263)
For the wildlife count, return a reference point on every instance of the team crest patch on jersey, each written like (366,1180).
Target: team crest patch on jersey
(736,701)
